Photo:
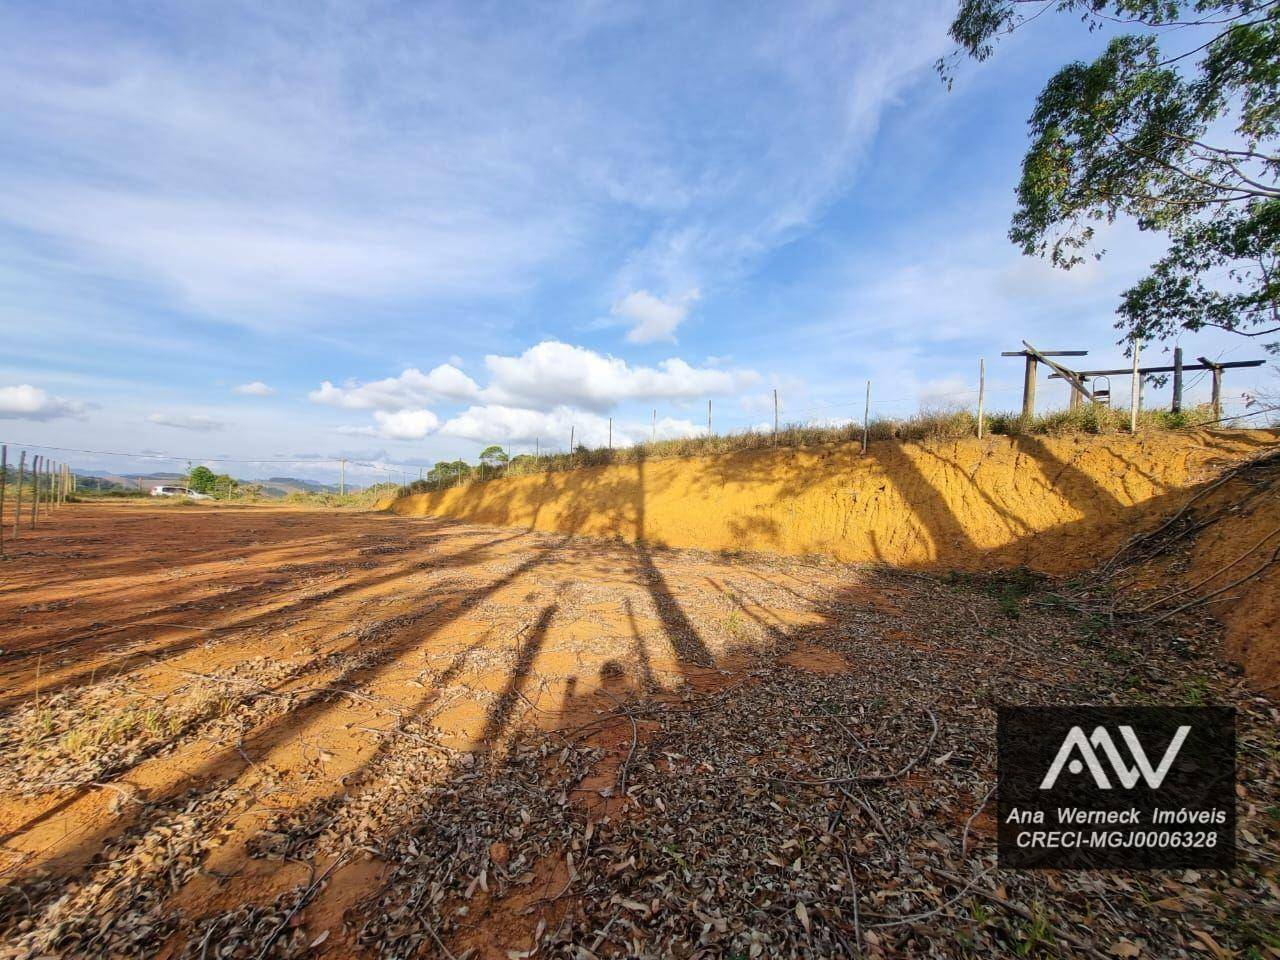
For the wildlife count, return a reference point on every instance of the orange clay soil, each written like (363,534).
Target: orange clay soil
(187,694)
(1056,504)
(186,646)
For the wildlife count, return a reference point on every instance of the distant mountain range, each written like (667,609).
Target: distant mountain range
(271,486)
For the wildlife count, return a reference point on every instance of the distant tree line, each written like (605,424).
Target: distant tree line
(204,480)
(494,461)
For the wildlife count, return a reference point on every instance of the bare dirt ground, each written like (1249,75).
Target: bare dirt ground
(268,733)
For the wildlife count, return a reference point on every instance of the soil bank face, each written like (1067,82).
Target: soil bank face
(1056,504)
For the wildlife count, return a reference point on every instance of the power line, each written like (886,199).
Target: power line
(163,456)
(197,459)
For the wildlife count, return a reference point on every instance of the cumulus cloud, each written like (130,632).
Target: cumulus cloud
(406,424)
(553,374)
(411,389)
(496,423)
(198,422)
(503,424)
(544,391)
(653,318)
(255,389)
(25,402)
(396,425)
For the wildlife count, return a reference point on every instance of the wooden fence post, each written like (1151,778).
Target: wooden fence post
(1215,371)
(1177,380)
(22,469)
(866,418)
(35,489)
(1134,387)
(982,391)
(1029,389)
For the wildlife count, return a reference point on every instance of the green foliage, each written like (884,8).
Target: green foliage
(447,473)
(493,456)
(224,486)
(1129,135)
(202,479)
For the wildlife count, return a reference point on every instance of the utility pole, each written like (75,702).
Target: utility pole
(611,433)
(775,417)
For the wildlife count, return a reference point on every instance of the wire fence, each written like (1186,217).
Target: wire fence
(53,481)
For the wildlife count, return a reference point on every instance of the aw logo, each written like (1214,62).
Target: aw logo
(1100,741)
(1101,788)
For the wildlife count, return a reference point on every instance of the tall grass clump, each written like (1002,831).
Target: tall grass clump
(358,498)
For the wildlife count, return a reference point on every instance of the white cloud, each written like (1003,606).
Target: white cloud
(654,318)
(946,393)
(671,429)
(553,374)
(188,421)
(429,180)
(552,429)
(255,389)
(503,424)
(406,424)
(411,389)
(546,390)
(198,422)
(25,402)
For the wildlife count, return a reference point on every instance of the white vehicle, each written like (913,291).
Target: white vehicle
(168,491)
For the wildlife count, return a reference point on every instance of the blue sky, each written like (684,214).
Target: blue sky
(396,232)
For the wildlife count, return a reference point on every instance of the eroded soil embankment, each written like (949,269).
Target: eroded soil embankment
(1056,504)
